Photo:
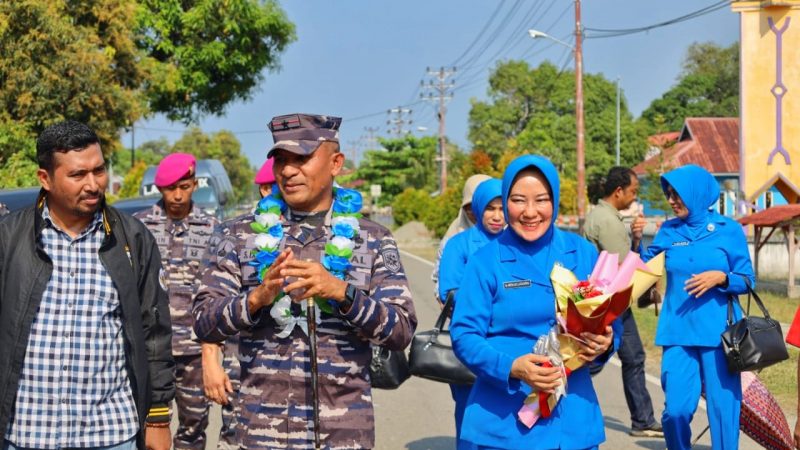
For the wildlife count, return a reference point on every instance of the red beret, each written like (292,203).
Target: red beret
(265,175)
(173,168)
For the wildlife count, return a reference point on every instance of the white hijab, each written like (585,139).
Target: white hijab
(462,221)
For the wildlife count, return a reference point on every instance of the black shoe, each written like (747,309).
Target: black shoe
(653,431)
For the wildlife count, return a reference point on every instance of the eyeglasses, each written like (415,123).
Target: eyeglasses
(671,194)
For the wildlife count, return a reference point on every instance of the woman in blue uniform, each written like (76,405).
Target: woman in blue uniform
(707,260)
(487,207)
(505,302)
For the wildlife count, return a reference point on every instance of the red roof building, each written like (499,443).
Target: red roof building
(709,142)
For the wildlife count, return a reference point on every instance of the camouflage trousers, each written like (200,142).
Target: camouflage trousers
(193,406)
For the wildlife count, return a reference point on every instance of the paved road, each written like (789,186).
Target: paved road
(419,415)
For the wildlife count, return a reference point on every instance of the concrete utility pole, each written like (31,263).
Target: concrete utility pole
(133,145)
(442,94)
(579,117)
(354,151)
(372,142)
(617,121)
(401,119)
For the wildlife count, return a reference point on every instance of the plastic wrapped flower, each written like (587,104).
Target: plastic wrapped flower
(347,201)
(337,265)
(346,226)
(267,242)
(272,204)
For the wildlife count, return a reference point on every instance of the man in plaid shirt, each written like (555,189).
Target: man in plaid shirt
(85,357)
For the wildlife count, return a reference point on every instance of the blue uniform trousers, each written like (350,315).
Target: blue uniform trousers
(684,372)
(460,394)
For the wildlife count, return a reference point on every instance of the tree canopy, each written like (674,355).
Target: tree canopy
(532,110)
(108,63)
(708,86)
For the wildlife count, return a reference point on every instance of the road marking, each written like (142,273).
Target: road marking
(614,360)
(413,256)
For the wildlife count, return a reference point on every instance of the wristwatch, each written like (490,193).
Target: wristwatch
(349,297)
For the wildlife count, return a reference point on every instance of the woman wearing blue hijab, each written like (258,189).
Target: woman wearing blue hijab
(487,206)
(707,260)
(505,302)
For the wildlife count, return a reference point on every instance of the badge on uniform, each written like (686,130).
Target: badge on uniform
(162,278)
(391,259)
(517,284)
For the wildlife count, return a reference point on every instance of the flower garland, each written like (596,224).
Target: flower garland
(268,226)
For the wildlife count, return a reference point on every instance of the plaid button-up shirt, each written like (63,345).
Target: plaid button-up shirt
(74,389)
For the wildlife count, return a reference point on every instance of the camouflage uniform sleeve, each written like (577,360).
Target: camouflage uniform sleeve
(386,316)
(220,307)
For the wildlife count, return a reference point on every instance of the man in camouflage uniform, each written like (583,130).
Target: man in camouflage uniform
(182,232)
(371,306)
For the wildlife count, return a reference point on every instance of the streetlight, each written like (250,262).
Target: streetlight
(577,50)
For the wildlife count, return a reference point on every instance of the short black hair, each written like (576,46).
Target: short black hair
(62,137)
(603,186)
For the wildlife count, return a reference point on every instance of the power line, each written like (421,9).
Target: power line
(480,33)
(607,32)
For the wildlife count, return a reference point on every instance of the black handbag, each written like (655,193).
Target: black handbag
(753,342)
(388,369)
(432,356)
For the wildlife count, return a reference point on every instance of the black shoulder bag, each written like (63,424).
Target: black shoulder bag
(753,342)
(388,368)
(432,355)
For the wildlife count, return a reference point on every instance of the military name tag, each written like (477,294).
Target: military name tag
(517,284)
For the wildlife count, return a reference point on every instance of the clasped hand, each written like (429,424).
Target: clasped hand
(308,279)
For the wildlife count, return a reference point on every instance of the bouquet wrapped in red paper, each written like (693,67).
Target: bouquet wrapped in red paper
(587,306)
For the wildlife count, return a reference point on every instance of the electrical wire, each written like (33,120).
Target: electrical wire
(609,33)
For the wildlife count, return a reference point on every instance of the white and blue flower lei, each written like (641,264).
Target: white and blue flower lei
(268,226)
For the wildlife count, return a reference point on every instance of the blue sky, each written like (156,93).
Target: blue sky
(357,58)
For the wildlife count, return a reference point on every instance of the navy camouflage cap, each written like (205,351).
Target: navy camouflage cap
(303,133)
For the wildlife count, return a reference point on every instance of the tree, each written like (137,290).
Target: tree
(532,110)
(132,181)
(108,63)
(208,53)
(708,86)
(407,162)
(223,146)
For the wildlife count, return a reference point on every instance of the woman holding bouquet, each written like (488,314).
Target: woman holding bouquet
(505,303)
(487,207)
(707,260)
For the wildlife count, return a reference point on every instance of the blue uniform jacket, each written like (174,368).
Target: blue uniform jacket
(691,321)
(501,312)
(459,248)
(701,241)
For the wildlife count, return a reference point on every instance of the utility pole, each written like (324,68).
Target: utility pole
(442,93)
(372,142)
(617,120)
(401,119)
(354,151)
(133,145)
(579,117)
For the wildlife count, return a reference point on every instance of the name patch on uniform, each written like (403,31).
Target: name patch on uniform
(680,244)
(391,259)
(517,284)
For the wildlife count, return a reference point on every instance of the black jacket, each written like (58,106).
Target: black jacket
(130,255)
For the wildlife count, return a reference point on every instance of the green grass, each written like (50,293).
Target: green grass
(780,307)
(780,379)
